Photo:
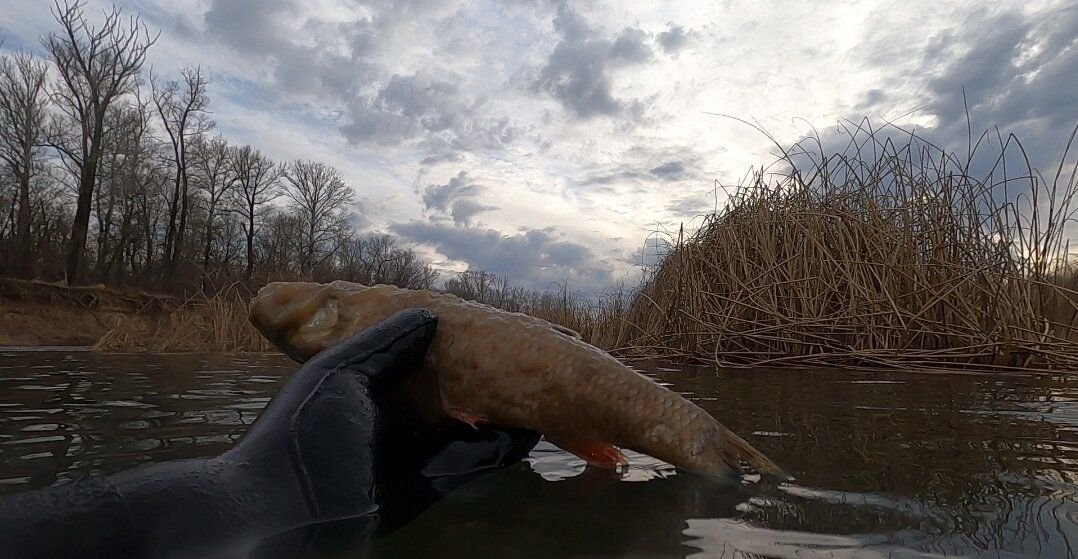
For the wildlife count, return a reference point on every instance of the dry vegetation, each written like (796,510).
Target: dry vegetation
(599,319)
(36,313)
(216,323)
(882,255)
(219,322)
(885,254)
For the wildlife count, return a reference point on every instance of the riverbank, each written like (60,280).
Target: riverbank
(34,313)
(38,313)
(889,253)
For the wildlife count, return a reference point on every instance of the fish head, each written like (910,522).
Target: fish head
(301,319)
(705,453)
(718,452)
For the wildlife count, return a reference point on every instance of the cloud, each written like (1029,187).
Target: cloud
(441,196)
(652,252)
(691,206)
(249,26)
(534,257)
(464,210)
(405,107)
(1014,70)
(671,170)
(872,98)
(300,51)
(644,165)
(631,47)
(674,39)
(371,124)
(442,157)
(456,198)
(433,114)
(588,116)
(349,62)
(578,73)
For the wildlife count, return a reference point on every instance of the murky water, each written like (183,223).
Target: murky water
(887,465)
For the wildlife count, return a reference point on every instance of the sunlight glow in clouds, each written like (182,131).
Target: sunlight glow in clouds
(575,128)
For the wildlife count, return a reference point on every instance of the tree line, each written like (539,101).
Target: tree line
(114,174)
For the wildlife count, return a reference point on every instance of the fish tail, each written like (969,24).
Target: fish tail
(737,447)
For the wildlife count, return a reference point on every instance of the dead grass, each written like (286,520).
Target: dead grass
(600,321)
(216,323)
(883,255)
(35,313)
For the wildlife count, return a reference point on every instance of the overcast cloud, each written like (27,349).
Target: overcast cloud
(545,140)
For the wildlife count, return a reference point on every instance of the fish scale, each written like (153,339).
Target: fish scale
(514,370)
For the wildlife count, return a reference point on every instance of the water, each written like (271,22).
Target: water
(887,465)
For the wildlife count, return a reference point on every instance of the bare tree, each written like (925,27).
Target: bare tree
(374,259)
(23,106)
(96,66)
(409,271)
(215,177)
(150,212)
(279,247)
(148,198)
(182,108)
(130,155)
(230,242)
(8,196)
(257,184)
(107,192)
(319,197)
(479,285)
(53,212)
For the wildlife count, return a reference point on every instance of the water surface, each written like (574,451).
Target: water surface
(887,465)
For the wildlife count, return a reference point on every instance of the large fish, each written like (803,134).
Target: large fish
(510,369)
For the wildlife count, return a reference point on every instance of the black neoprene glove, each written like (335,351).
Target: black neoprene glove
(326,465)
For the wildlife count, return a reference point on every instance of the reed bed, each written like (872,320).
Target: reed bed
(600,320)
(887,253)
(219,322)
(202,323)
(882,254)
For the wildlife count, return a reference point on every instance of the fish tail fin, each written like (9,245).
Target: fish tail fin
(740,448)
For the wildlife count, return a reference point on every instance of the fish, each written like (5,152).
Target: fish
(489,366)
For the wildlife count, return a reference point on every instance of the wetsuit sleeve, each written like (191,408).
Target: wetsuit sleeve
(87,518)
(325,449)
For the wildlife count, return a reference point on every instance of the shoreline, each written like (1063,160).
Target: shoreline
(631,361)
(36,313)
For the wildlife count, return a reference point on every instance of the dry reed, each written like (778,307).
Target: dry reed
(883,255)
(215,323)
(600,320)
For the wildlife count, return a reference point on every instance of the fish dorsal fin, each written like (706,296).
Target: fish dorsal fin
(567,331)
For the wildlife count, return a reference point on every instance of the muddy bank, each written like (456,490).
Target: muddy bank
(35,313)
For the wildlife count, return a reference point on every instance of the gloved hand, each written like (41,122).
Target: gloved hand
(326,462)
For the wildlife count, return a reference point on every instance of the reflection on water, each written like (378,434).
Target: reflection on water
(66,414)
(887,465)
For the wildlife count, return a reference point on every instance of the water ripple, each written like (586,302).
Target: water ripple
(886,465)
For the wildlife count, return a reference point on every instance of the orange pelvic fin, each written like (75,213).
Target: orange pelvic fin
(461,414)
(595,453)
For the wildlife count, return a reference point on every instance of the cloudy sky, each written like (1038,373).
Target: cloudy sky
(545,140)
